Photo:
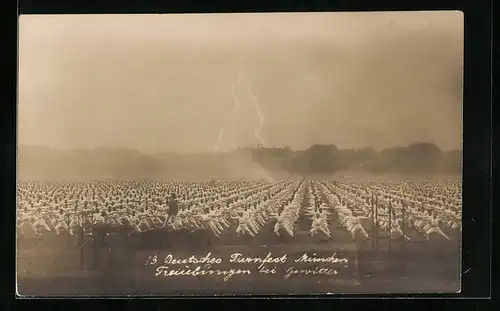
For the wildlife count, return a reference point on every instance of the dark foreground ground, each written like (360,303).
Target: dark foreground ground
(50,265)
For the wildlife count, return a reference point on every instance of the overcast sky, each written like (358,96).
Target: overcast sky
(161,83)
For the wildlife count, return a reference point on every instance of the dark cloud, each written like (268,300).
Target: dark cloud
(163,82)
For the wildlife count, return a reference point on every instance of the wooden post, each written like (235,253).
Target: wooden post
(68,222)
(80,243)
(403,228)
(390,225)
(376,223)
(373,222)
(95,251)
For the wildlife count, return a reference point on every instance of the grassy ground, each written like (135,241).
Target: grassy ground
(50,265)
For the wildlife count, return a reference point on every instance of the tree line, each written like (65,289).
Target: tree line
(321,159)
(124,163)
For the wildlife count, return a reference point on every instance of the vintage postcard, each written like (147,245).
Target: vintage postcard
(231,154)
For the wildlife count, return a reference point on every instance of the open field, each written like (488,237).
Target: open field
(422,219)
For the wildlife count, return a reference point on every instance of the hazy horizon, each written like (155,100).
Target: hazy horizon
(222,151)
(168,83)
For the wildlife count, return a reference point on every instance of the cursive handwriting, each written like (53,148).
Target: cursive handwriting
(207,259)
(266,270)
(316,271)
(306,264)
(313,259)
(171,260)
(239,258)
(199,271)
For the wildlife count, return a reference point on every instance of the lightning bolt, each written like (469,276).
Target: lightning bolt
(231,117)
(259,113)
(236,105)
(219,139)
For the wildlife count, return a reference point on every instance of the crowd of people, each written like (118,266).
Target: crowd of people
(242,206)
(425,206)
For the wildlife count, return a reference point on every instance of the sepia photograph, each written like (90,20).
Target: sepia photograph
(239,154)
